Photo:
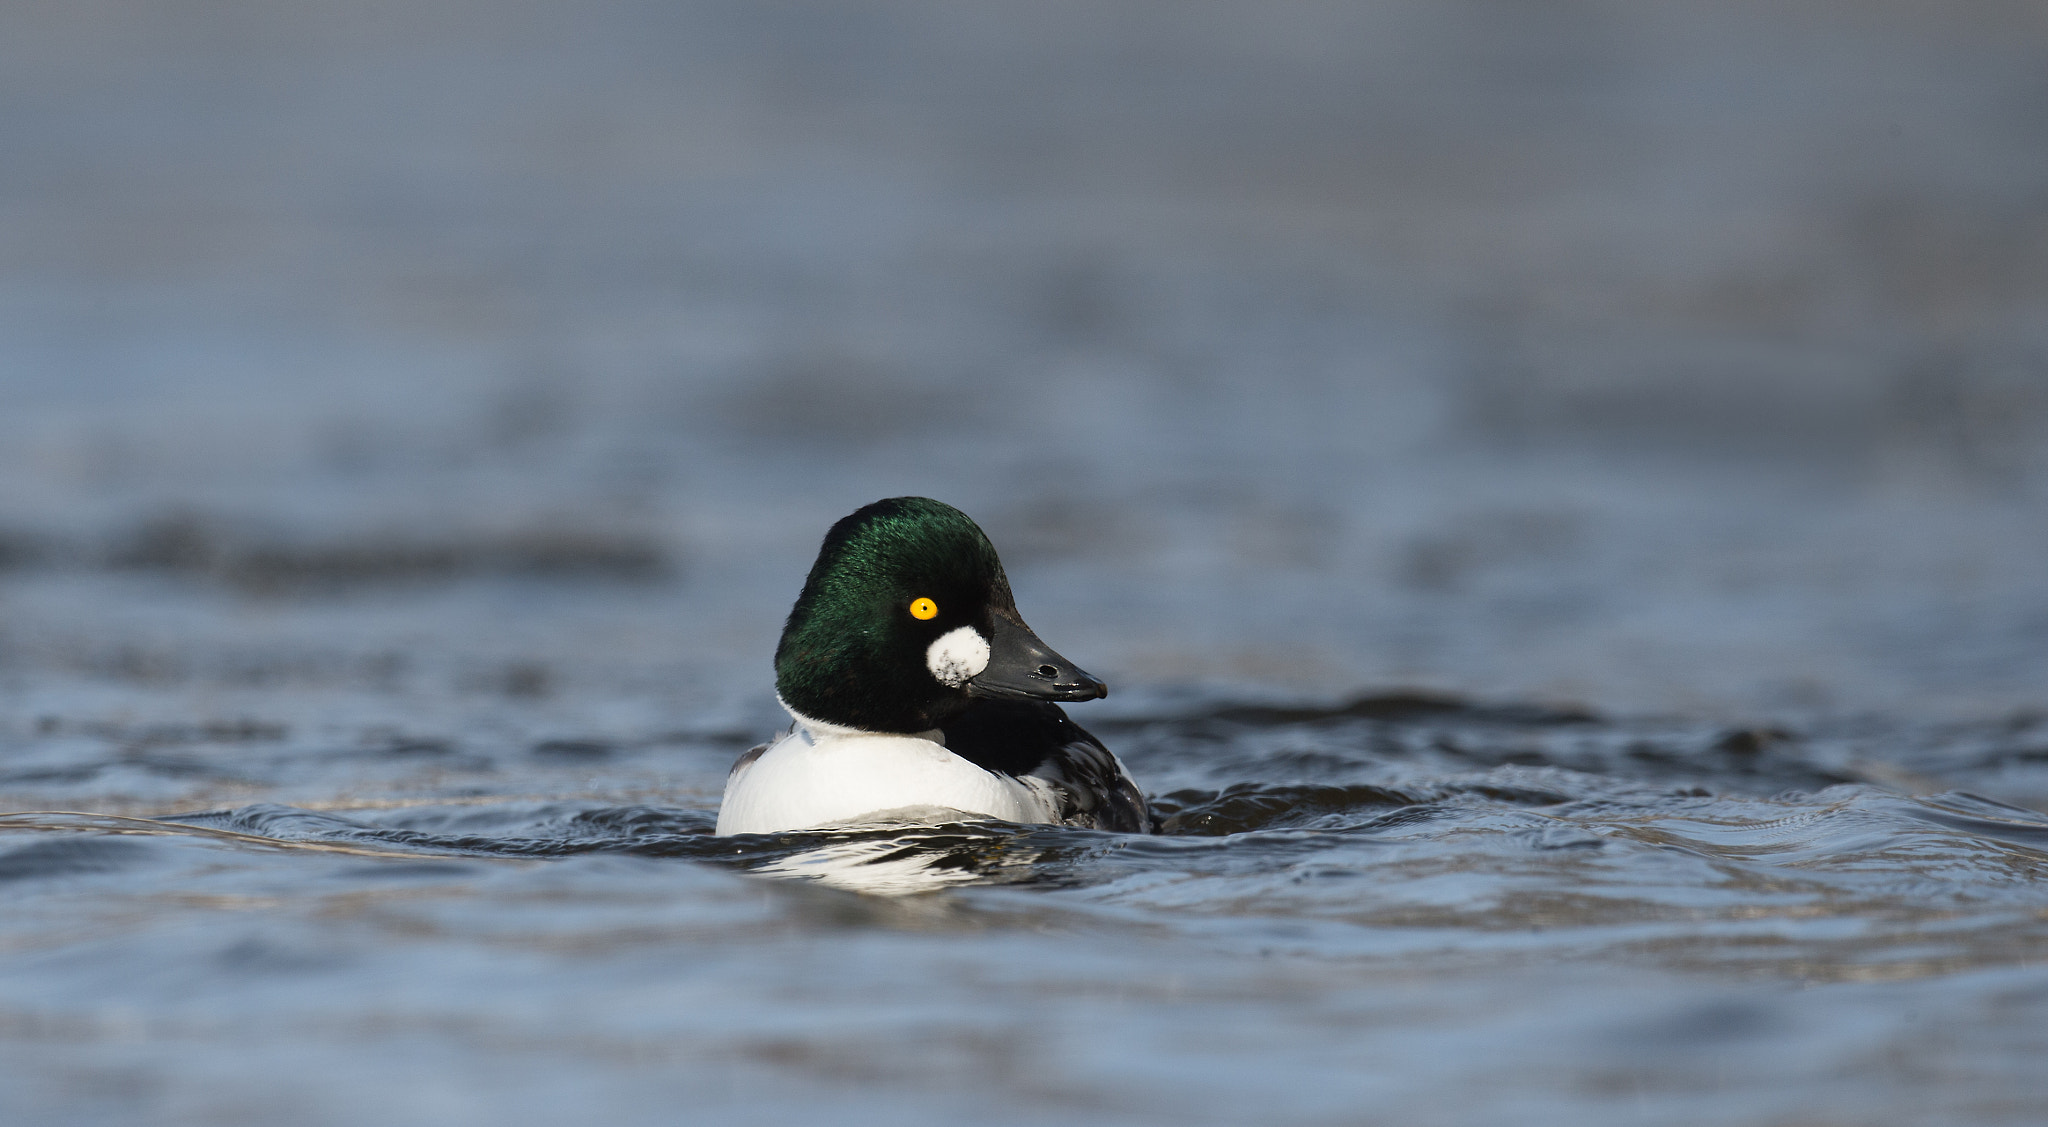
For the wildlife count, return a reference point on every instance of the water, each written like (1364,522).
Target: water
(1400,908)
(1557,494)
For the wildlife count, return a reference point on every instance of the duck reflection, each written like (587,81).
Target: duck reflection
(898,858)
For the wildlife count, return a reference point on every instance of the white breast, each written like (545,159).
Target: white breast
(806,781)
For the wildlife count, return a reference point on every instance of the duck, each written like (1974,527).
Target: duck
(919,696)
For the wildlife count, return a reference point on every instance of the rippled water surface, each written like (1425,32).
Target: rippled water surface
(1401,907)
(1558,491)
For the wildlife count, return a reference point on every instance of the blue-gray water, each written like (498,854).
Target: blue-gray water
(1557,491)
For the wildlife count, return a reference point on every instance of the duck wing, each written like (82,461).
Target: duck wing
(1034,740)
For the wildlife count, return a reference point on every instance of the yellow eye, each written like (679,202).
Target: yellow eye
(923,608)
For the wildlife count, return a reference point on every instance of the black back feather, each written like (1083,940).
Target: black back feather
(1035,739)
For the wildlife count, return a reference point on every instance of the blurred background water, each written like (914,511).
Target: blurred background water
(1556,489)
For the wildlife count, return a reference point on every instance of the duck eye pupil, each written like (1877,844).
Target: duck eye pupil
(923,608)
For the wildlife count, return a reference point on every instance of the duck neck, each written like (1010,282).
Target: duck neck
(820,730)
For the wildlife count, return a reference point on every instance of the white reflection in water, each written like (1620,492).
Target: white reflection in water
(899,866)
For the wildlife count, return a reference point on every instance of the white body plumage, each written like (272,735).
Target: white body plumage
(822,775)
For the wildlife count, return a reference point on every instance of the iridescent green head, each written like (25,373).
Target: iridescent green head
(905,618)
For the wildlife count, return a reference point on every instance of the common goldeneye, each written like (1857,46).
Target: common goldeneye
(920,695)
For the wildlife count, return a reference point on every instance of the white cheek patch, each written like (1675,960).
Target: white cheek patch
(957,656)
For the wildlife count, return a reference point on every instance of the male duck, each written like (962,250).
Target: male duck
(920,695)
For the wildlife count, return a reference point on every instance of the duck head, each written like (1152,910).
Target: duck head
(905,619)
